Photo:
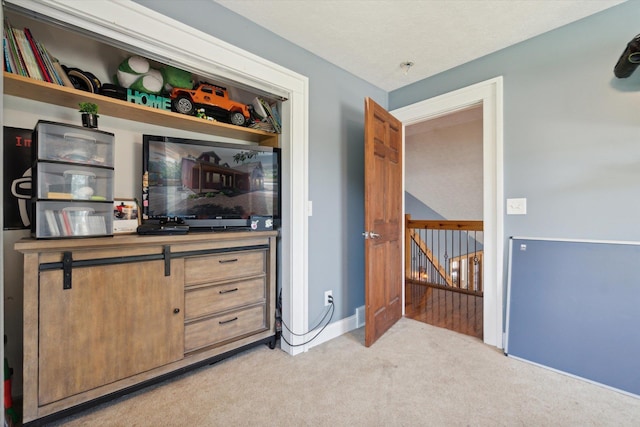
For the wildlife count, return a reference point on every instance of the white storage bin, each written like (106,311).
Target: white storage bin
(73,182)
(72,144)
(62,219)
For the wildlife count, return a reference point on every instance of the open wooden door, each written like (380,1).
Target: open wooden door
(382,220)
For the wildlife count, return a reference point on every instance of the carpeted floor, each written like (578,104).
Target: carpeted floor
(415,375)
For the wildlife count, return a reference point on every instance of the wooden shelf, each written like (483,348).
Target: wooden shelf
(26,87)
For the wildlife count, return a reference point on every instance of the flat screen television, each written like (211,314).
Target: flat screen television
(209,185)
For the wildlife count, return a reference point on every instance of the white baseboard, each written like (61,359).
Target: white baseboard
(334,330)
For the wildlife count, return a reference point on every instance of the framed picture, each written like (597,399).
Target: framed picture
(126,216)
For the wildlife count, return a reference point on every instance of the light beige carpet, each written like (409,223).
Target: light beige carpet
(415,375)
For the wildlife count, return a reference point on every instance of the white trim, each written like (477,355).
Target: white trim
(556,239)
(334,330)
(128,24)
(489,94)
(574,376)
(505,337)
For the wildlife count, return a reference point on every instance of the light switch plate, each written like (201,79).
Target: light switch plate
(517,206)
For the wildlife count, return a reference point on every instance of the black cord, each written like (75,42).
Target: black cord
(312,329)
(331,309)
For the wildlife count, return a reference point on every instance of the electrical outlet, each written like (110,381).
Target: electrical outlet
(327,294)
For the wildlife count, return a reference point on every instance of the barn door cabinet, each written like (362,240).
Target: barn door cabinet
(103,317)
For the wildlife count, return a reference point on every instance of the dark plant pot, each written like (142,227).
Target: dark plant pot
(89,120)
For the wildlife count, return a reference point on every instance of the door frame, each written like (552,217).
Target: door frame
(489,93)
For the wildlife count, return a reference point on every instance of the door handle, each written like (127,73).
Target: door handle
(370,235)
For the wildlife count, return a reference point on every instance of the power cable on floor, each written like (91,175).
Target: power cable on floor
(330,310)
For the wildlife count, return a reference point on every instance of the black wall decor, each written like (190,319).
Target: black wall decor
(17,178)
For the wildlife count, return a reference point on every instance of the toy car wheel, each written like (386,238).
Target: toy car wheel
(183,105)
(237,119)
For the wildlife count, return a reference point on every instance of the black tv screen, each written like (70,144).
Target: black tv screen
(210,185)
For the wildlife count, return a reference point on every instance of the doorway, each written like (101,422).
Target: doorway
(489,95)
(443,206)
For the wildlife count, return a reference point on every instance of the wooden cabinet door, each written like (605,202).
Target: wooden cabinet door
(115,321)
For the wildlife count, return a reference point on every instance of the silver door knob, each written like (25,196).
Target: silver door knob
(370,235)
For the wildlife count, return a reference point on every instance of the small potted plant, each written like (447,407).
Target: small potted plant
(89,112)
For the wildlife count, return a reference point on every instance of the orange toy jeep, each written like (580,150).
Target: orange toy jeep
(214,99)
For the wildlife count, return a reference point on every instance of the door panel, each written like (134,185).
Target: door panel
(116,321)
(383,216)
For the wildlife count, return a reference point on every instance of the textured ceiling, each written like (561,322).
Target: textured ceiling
(371,38)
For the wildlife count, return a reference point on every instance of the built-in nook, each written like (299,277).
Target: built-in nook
(116,27)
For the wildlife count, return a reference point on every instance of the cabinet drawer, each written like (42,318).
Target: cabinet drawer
(201,301)
(217,329)
(224,266)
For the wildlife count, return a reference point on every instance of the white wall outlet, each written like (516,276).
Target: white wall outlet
(517,206)
(328,294)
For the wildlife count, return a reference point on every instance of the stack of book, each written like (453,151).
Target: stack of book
(26,56)
(269,118)
(65,223)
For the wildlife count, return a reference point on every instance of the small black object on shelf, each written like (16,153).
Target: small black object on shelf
(171,225)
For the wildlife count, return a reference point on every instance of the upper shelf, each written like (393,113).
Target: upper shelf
(26,87)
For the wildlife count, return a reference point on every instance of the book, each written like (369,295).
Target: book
(14,51)
(267,109)
(33,70)
(59,195)
(7,55)
(67,223)
(264,125)
(276,114)
(51,223)
(38,56)
(49,64)
(258,108)
(61,224)
(44,59)
(66,81)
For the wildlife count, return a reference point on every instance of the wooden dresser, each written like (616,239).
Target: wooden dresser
(105,316)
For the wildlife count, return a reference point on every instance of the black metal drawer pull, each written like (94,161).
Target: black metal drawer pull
(224,261)
(222,322)
(228,291)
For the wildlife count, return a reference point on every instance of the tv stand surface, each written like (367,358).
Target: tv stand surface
(191,297)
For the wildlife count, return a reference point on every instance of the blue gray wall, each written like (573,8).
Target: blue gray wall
(571,129)
(336,149)
(418,210)
(571,135)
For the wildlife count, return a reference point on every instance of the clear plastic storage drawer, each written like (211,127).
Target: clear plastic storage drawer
(73,144)
(73,182)
(59,220)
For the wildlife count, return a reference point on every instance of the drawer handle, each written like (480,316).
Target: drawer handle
(228,291)
(224,261)
(222,322)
